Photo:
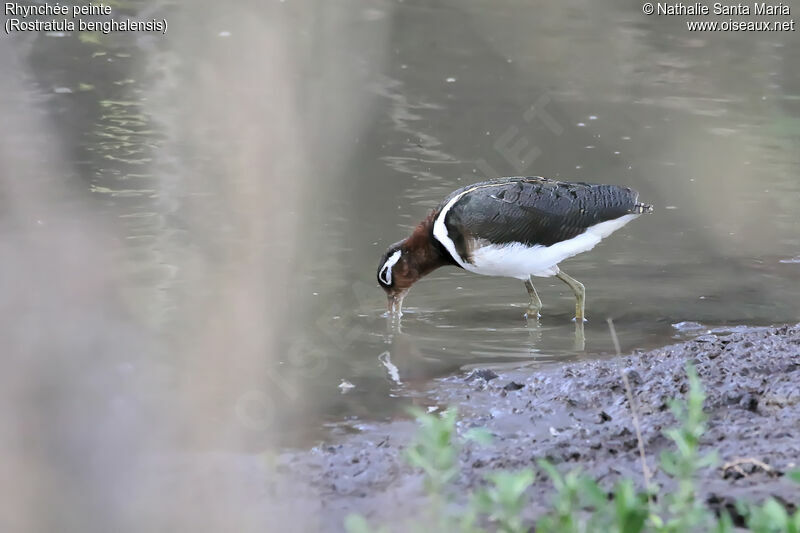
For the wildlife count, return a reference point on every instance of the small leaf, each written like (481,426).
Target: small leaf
(355,523)
(480,435)
(552,473)
(483,501)
(776,512)
(591,491)
(725,523)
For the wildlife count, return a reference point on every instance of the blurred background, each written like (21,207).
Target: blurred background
(191,224)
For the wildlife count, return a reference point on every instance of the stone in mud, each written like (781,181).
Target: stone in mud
(485,374)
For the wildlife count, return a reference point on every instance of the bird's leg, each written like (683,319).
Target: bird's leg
(580,338)
(580,293)
(536,303)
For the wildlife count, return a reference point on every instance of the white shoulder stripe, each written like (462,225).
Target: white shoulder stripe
(386,271)
(440,230)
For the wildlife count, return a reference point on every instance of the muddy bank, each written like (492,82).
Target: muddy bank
(577,415)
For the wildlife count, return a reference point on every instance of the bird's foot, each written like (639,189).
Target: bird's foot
(583,320)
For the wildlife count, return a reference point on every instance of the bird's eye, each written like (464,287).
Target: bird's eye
(385,274)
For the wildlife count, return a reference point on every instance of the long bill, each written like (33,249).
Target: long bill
(395,304)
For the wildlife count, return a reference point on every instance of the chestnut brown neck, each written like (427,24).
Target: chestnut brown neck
(425,254)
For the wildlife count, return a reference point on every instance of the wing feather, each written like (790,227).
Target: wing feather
(534,210)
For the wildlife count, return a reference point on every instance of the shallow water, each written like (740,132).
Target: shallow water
(705,126)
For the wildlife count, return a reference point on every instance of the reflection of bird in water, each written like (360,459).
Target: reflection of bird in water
(512,227)
(406,365)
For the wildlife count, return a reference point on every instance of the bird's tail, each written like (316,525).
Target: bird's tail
(640,208)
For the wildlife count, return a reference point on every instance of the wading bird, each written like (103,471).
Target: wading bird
(511,227)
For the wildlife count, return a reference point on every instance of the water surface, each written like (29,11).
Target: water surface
(400,103)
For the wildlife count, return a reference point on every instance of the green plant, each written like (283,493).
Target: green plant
(435,449)
(567,501)
(504,500)
(631,508)
(579,504)
(772,517)
(355,523)
(682,509)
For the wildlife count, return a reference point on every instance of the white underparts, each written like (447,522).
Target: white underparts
(518,260)
(386,271)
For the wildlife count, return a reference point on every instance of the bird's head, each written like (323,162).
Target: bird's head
(396,274)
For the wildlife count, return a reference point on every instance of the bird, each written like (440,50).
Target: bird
(517,227)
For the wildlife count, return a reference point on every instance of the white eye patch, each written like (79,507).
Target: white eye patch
(386,271)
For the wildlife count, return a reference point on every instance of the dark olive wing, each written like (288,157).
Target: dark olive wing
(535,210)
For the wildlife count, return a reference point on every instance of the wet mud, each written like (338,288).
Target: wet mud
(578,416)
